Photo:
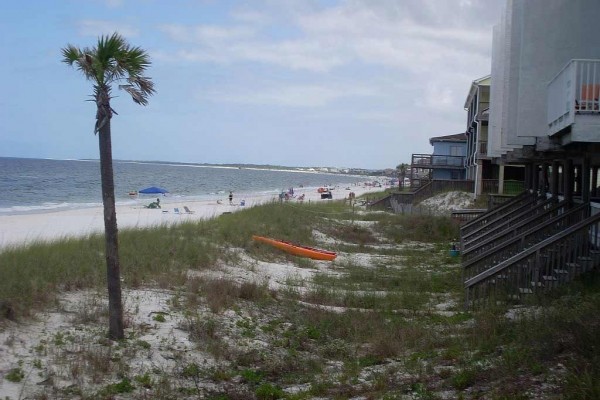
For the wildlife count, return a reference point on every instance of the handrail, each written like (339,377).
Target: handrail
(496,210)
(532,250)
(379,200)
(487,237)
(519,242)
(466,214)
(506,219)
(511,230)
(422,188)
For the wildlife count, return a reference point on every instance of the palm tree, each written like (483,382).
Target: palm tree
(401,168)
(112,60)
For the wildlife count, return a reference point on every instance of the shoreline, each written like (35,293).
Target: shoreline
(17,230)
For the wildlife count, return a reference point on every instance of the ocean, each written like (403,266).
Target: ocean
(40,185)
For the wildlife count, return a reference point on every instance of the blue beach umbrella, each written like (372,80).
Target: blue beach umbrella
(153,190)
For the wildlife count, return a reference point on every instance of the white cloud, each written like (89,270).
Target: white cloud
(375,33)
(290,96)
(97,28)
(209,35)
(436,97)
(401,67)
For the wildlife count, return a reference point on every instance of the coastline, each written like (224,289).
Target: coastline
(22,229)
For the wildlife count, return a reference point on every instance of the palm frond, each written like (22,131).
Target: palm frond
(136,95)
(70,54)
(114,60)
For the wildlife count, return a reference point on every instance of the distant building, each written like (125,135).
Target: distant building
(446,163)
(478,166)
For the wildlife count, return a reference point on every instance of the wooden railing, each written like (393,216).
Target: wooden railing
(467,215)
(525,224)
(542,267)
(513,244)
(489,186)
(397,201)
(437,161)
(492,220)
(505,206)
(511,218)
(495,200)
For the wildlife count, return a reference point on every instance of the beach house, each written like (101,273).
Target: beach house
(544,118)
(484,170)
(478,165)
(447,162)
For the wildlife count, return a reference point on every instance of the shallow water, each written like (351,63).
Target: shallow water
(39,185)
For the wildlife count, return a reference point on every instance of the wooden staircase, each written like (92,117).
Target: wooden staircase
(525,252)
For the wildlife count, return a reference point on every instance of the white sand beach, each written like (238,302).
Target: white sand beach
(16,230)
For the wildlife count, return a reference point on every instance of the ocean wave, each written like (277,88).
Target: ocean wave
(45,207)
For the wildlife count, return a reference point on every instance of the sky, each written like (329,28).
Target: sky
(338,83)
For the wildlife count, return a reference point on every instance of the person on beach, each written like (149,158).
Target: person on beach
(230,197)
(154,204)
(158,202)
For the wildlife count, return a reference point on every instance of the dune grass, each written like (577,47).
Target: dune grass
(391,340)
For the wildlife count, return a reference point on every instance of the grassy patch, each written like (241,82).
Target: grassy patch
(387,338)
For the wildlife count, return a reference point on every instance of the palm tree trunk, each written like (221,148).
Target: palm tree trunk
(113,269)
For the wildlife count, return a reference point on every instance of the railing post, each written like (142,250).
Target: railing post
(594,180)
(568,179)
(585,179)
(535,177)
(554,183)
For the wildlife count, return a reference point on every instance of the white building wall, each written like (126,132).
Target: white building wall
(533,42)
(553,32)
(515,76)
(496,94)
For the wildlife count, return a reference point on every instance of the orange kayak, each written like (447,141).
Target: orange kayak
(298,250)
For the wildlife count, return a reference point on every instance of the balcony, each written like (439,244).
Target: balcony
(484,112)
(432,161)
(573,102)
(483,148)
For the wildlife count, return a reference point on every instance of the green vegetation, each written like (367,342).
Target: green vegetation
(385,320)
(15,375)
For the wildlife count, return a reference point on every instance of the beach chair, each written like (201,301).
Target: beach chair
(176,210)
(187,210)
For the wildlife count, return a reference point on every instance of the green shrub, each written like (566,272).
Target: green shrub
(266,391)
(464,378)
(15,375)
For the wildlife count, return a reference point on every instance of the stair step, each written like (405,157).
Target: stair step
(573,265)
(561,271)
(538,284)
(525,291)
(549,278)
